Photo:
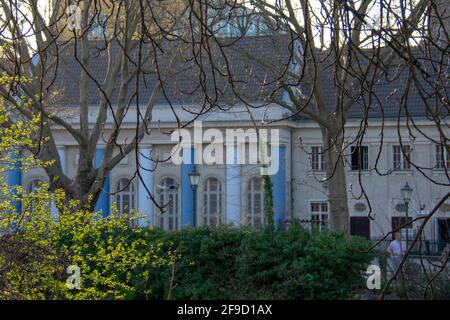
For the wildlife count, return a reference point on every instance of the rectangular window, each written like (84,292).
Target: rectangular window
(398,222)
(401,157)
(360,158)
(319,216)
(442,158)
(317,159)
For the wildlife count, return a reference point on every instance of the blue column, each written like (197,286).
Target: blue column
(233,187)
(187,195)
(103,200)
(62,159)
(145,204)
(14,176)
(279,186)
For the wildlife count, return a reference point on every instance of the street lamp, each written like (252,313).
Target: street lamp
(194,178)
(406,195)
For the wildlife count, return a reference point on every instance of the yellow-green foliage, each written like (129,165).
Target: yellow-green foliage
(36,249)
(17,132)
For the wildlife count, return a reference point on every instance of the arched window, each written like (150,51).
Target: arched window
(255,203)
(212,202)
(167,191)
(33,186)
(125,196)
(98,26)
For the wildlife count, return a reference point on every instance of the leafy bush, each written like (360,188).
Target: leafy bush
(266,260)
(118,262)
(205,268)
(228,263)
(332,266)
(35,251)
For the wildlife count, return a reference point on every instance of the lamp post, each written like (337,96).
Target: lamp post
(194,179)
(406,195)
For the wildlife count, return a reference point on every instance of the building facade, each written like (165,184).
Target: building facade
(234,193)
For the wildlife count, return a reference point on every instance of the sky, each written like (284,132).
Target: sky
(318,9)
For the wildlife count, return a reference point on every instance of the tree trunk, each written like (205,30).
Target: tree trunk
(336,179)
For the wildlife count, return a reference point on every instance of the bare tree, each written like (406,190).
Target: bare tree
(336,58)
(146,47)
(328,60)
(359,59)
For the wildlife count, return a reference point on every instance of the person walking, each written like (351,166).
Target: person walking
(395,251)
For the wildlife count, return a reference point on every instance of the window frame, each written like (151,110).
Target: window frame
(363,159)
(323,224)
(442,157)
(162,220)
(31,182)
(317,159)
(400,157)
(97,26)
(206,214)
(120,192)
(251,193)
(29,190)
(402,221)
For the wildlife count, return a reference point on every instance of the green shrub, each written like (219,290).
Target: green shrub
(332,266)
(206,267)
(228,263)
(36,251)
(118,262)
(266,259)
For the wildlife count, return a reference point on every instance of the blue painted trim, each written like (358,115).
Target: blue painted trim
(233,188)
(187,195)
(285,97)
(145,204)
(103,199)
(14,176)
(279,188)
(62,157)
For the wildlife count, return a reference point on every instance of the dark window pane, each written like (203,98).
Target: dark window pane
(171,225)
(257,184)
(257,222)
(360,158)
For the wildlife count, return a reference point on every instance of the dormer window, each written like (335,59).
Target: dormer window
(236,22)
(97,26)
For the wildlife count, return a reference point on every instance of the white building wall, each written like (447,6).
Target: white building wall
(382,191)
(303,185)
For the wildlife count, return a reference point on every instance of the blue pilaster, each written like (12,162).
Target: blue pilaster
(14,176)
(279,186)
(233,187)
(145,204)
(62,159)
(103,200)
(187,195)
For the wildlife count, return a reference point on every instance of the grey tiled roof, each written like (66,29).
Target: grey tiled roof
(187,83)
(395,94)
(250,80)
